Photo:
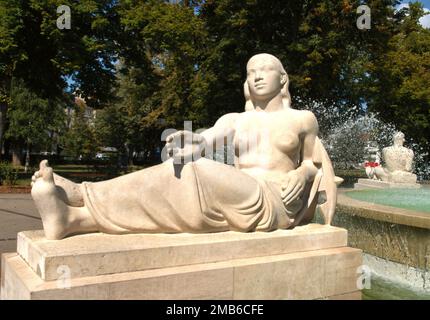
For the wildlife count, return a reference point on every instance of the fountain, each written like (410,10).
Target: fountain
(398,171)
(350,134)
(391,225)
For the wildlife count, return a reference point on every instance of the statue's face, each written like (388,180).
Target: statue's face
(263,77)
(399,141)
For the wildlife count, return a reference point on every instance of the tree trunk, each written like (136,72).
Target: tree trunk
(130,155)
(6,147)
(16,154)
(3,108)
(27,158)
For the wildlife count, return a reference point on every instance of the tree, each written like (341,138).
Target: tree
(160,49)
(79,140)
(165,42)
(325,55)
(119,124)
(33,49)
(31,118)
(153,64)
(400,91)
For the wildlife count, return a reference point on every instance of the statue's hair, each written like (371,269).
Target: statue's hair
(399,135)
(285,94)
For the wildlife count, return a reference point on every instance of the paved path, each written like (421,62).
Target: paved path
(17,213)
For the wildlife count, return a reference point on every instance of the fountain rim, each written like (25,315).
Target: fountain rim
(380,212)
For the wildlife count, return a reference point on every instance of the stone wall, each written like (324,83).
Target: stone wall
(395,235)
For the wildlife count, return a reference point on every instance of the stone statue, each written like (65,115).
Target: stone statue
(398,162)
(369,166)
(276,182)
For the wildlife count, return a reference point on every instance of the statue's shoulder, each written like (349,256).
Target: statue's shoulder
(301,114)
(396,151)
(306,118)
(307,114)
(408,151)
(228,119)
(389,149)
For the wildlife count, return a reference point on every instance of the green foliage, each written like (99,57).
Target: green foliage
(164,44)
(325,55)
(400,92)
(160,50)
(151,65)
(79,140)
(109,128)
(180,65)
(126,123)
(34,49)
(8,174)
(31,118)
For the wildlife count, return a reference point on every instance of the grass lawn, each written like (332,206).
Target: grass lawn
(79,173)
(76,173)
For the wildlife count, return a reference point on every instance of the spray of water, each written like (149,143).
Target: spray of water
(350,133)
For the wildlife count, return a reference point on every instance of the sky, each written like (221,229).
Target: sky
(425,21)
(426,3)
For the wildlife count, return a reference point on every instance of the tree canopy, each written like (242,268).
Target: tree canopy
(150,65)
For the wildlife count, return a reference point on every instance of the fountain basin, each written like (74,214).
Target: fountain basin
(395,240)
(377,184)
(416,200)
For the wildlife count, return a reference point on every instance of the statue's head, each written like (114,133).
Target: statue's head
(399,138)
(266,78)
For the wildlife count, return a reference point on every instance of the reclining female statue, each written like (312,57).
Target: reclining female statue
(280,169)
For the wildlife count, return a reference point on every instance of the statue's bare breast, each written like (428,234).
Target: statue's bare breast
(267,144)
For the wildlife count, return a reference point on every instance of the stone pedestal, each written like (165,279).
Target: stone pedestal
(308,262)
(377,184)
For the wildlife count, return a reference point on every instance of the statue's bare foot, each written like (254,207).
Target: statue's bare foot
(69,191)
(53,211)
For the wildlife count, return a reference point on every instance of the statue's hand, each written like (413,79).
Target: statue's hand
(185,146)
(293,187)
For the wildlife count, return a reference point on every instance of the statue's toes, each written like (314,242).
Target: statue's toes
(35,176)
(48,174)
(43,164)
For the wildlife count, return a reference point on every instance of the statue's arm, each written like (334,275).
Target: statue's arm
(221,132)
(185,145)
(409,161)
(307,167)
(297,179)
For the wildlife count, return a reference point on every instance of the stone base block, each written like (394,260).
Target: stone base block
(309,262)
(403,177)
(377,184)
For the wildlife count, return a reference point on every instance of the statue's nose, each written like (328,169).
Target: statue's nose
(258,76)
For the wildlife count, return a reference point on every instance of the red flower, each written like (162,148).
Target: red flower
(371,164)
